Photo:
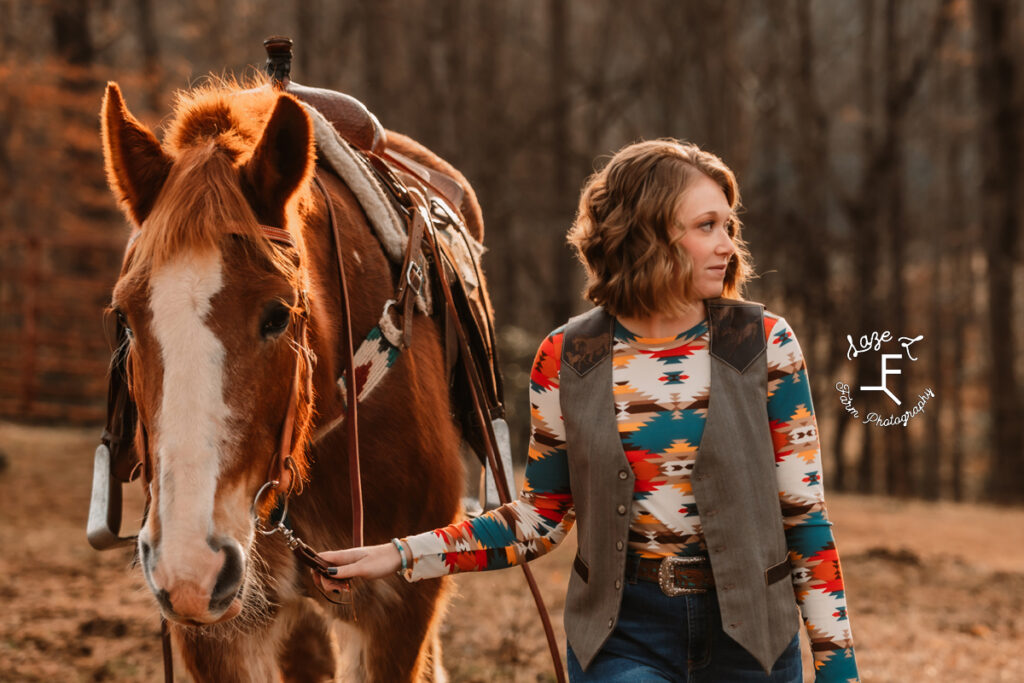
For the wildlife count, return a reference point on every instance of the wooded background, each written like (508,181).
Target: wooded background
(877,143)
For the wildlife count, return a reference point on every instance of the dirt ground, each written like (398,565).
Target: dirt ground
(936,591)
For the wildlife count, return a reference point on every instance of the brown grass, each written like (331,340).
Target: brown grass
(936,591)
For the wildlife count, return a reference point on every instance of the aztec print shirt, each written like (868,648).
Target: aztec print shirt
(661,391)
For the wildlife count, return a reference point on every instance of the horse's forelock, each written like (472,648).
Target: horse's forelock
(212,135)
(228,111)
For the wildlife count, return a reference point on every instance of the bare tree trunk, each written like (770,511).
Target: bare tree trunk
(376,30)
(811,221)
(428,76)
(563,298)
(454,104)
(71,37)
(863,216)
(962,279)
(897,450)
(486,115)
(951,294)
(963,276)
(307,56)
(150,53)
(997,74)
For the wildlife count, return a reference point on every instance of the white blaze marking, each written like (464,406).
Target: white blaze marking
(193,416)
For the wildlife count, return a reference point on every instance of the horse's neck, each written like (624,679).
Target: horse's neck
(369,284)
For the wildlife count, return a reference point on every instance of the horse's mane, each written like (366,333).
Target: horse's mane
(212,132)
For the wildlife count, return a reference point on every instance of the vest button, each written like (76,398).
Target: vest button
(611,622)
(734,626)
(709,513)
(621,509)
(719,548)
(618,584)
(623,474)
(618,545)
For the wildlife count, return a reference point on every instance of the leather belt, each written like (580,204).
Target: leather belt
(676,575)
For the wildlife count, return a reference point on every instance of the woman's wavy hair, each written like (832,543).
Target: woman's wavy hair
(626,230)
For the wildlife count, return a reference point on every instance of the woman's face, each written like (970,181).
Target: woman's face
(704,218)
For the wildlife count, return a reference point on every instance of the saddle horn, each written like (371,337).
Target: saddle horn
(279,60)
(350,117)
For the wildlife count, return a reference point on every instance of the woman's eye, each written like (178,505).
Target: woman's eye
(275,321)
(707,226)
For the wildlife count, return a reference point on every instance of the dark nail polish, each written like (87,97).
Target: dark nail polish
(332,570)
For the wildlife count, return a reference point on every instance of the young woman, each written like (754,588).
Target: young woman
(675,427)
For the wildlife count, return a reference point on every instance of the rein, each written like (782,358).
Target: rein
(282,470)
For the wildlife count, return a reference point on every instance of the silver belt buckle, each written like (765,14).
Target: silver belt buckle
(667,577)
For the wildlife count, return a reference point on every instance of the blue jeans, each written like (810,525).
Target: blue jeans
(679,639)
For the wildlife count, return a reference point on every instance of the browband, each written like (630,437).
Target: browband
(279,235)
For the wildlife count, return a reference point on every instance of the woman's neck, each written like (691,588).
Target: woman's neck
(659,326)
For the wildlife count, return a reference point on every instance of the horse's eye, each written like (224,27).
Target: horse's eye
(123,322)
(275,320)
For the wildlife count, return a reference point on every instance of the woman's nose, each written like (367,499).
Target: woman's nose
(725,247)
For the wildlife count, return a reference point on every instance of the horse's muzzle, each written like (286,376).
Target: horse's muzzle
(204,591)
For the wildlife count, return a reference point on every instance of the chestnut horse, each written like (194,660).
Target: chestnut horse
(211,304)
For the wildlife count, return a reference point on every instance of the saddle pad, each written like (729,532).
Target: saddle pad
(354,170)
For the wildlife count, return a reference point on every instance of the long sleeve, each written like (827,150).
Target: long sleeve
(529,526)
(817,577)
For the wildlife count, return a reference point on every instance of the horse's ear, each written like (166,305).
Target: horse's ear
(281,161)
(137,166)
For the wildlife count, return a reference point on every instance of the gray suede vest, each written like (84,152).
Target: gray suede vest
(733,481)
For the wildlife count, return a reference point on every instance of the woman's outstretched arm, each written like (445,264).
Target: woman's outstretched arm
(512,534)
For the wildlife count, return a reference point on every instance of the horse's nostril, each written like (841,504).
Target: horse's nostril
(147,553)
(164,598)
(229,577)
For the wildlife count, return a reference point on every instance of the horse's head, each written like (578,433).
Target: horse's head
(213,310)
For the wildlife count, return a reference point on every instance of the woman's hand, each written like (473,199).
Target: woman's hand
(368,562)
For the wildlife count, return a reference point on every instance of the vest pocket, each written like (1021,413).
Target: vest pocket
(777,572)
(581,568)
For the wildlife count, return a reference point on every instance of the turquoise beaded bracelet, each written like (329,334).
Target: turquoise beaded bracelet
(401,551)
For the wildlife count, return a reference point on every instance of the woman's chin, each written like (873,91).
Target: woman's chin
(712,291)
